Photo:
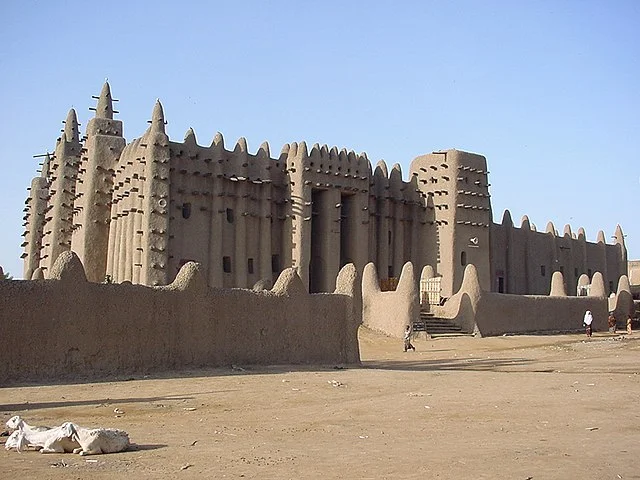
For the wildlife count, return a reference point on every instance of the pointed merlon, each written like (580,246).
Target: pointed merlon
(105,103)
(71,132)
(264,150)
(525,224)
(407,282)
(471,283)
(218,140)
(383,168)
(551,228)
(582,235)
(241,146)
(600,238)
(157,118)
(289,284)
(285,149)
(190,137)
(567,230)
(427,273)
(619,236)
(506,219)
(346,280)
(370,282)
(302,152)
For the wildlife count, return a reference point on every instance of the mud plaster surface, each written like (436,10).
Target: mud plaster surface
(519,407)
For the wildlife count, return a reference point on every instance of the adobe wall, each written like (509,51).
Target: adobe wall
(66,327)
(390,312)
(526,259)
(490,313)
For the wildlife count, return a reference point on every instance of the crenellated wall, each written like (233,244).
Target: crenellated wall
(68,328)
(523,260)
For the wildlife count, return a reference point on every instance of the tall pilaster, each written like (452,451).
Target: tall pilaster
(64,172)
(35,210)
(103,147)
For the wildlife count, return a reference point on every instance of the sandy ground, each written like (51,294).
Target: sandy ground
(517,407)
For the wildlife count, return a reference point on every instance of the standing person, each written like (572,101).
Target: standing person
(588,320)
(612,323)
(629,325)
(407,339)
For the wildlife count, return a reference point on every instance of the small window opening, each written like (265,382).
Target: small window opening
(230,215)
(463,258)
(275,263)
(186,210)
(543,270)
(226,264)
(250,265)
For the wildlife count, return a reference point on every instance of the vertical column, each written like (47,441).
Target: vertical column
(215,235)
(329,236)
(265,233)
(383,236)
(398,239)
(240,260)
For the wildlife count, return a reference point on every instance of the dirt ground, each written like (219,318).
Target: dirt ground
(514,407)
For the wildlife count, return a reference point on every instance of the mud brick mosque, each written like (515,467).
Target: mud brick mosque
(137,211)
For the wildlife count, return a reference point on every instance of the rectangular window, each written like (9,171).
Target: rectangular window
(250,265)
(543,270)
(226,264)
(275,263)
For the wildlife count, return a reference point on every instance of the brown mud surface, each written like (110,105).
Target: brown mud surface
(516,407)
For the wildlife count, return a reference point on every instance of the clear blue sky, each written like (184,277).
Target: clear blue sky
(548,91)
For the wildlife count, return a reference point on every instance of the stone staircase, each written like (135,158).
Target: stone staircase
(437,327)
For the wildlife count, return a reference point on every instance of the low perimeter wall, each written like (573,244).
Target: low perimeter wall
(66,327)
(489,313)
(390,312)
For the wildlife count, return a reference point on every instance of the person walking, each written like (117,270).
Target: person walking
(407,339)
(588,320)
(612,323)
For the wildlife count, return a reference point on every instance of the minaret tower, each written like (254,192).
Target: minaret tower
(92,208)
(35,210)
(64,171)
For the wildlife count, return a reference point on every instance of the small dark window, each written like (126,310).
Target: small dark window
(611,290)
(389,237)
(275,263)
(500,284)
(250,265)
(186,210)
(230,215)
(390,271)
(463,258)
(543,270)
(226,264)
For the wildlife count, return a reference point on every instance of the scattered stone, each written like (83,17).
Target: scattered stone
(184,467)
